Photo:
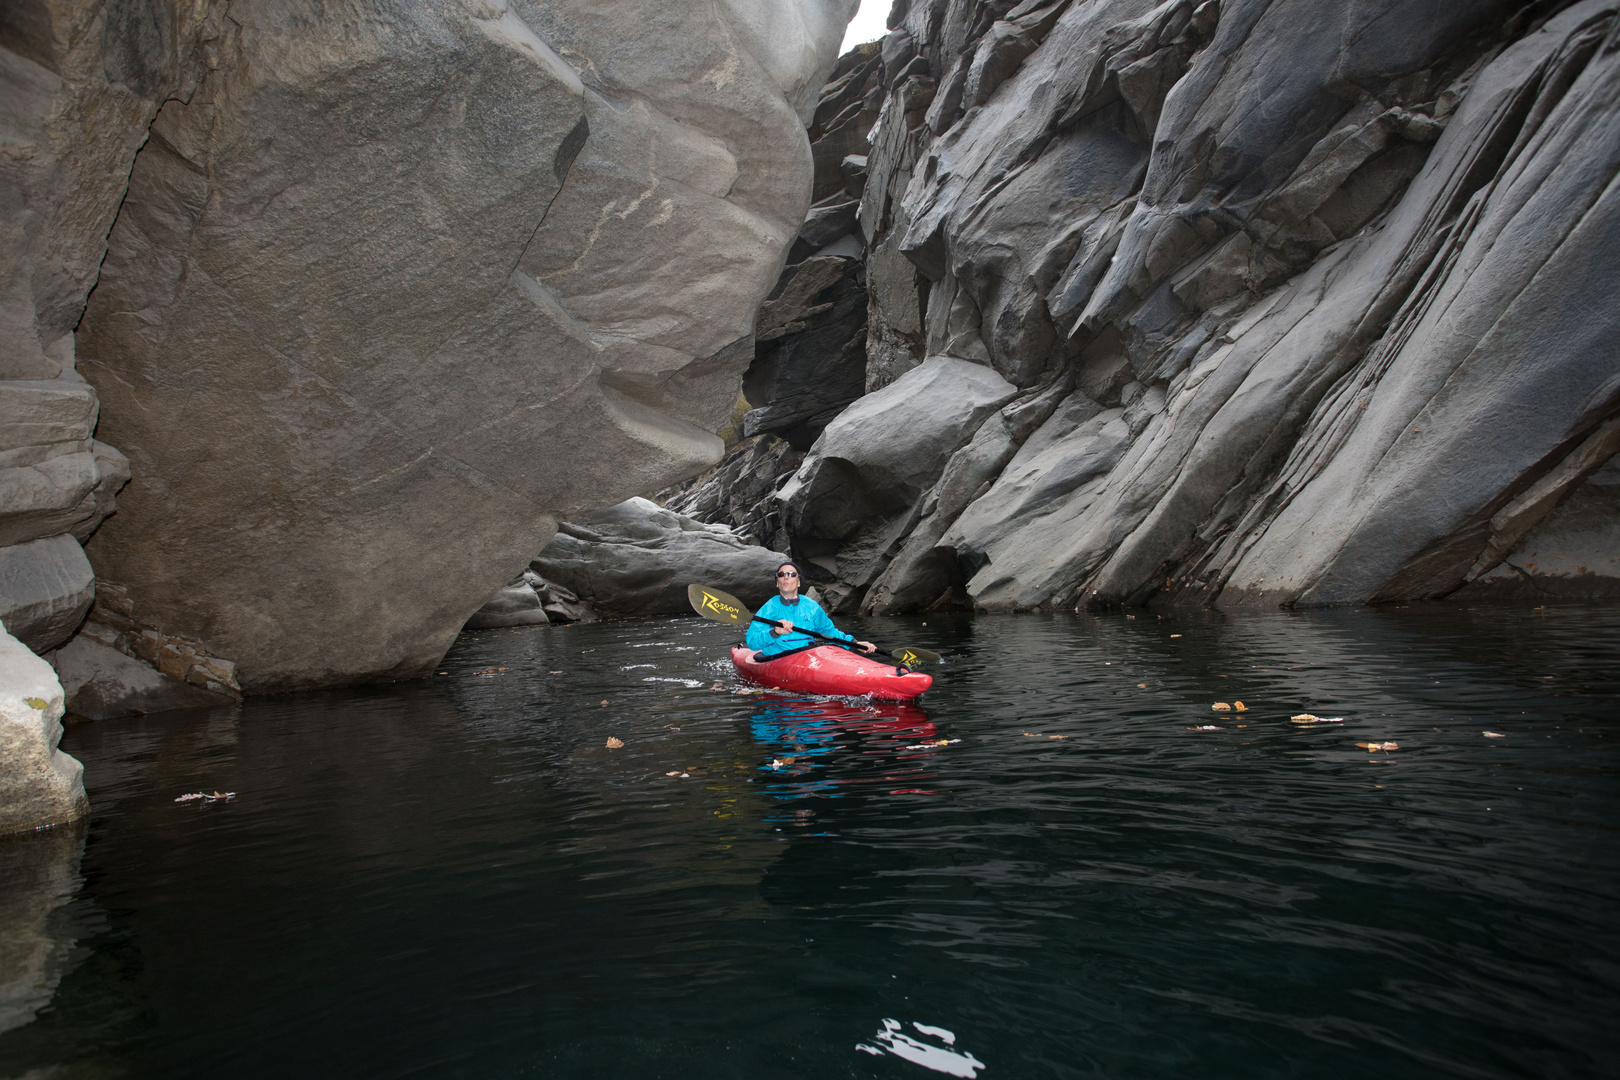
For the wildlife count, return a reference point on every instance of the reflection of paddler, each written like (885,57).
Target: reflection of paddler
(803,731)
(810,727)
(787,609)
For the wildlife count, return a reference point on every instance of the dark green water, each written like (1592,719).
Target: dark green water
(458,878)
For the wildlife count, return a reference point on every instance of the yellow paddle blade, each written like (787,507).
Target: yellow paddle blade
(719,606)
(913,657)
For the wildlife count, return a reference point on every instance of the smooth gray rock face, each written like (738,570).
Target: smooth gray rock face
(884,451)
(39,785)
(46,587)
(390,291)
(637,559)
(102,683)
(1319,291)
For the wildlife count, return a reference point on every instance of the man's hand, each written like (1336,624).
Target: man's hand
(783,627)
(866,646)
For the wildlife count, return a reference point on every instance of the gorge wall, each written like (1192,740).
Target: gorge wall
(367,298)
(1232,302)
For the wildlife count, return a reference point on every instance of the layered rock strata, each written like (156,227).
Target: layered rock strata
(1294,302)
(387,292)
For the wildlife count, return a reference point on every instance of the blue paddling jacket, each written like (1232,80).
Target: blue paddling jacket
(803,612)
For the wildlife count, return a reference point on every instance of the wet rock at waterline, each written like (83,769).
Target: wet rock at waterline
(101,682)
(637,558)
(39,785)
(1301,304)
(389,295)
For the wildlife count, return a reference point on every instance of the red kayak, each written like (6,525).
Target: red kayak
(831,670)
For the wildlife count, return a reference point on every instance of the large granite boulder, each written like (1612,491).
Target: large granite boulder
(1313,294)
(39,785)
(637,558)
(387,292)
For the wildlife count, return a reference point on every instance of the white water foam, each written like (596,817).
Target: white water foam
(941,1059)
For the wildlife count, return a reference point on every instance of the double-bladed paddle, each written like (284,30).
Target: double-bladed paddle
(722,607)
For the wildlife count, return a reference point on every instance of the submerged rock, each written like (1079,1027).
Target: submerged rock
(637,558)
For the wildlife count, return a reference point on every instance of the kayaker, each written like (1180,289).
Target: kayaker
(788,609)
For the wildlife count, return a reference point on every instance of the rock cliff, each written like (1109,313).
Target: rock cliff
(371,297)
(1230,302)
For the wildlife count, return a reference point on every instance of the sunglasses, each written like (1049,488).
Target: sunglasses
(787,573)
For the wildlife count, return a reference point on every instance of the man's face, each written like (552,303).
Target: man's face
(787,582)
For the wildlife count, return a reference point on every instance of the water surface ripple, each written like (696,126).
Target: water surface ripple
(458,877)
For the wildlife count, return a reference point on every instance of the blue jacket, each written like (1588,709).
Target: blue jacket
(803,612)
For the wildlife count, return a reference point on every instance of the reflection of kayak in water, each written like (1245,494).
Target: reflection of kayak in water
(831,670)
(804,723)
(832,748)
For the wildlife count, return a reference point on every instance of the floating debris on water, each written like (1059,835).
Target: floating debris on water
(1238,706)
(1222,706)
(931,745)
(207,796)
(1493,735)
(614,742)
(1379,745)
(1308,718)
(1205,727)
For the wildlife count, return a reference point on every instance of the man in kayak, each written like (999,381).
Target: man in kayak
(788,609)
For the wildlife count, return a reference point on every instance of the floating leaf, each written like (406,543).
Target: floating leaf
(782,762)
(673,772)
(1057,736)
(1141,686)
(1305,718)
(614,742)
(1239,706)
(1175,635)
(604,701)
(1492,735)
(1221,706)
(1379,745)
